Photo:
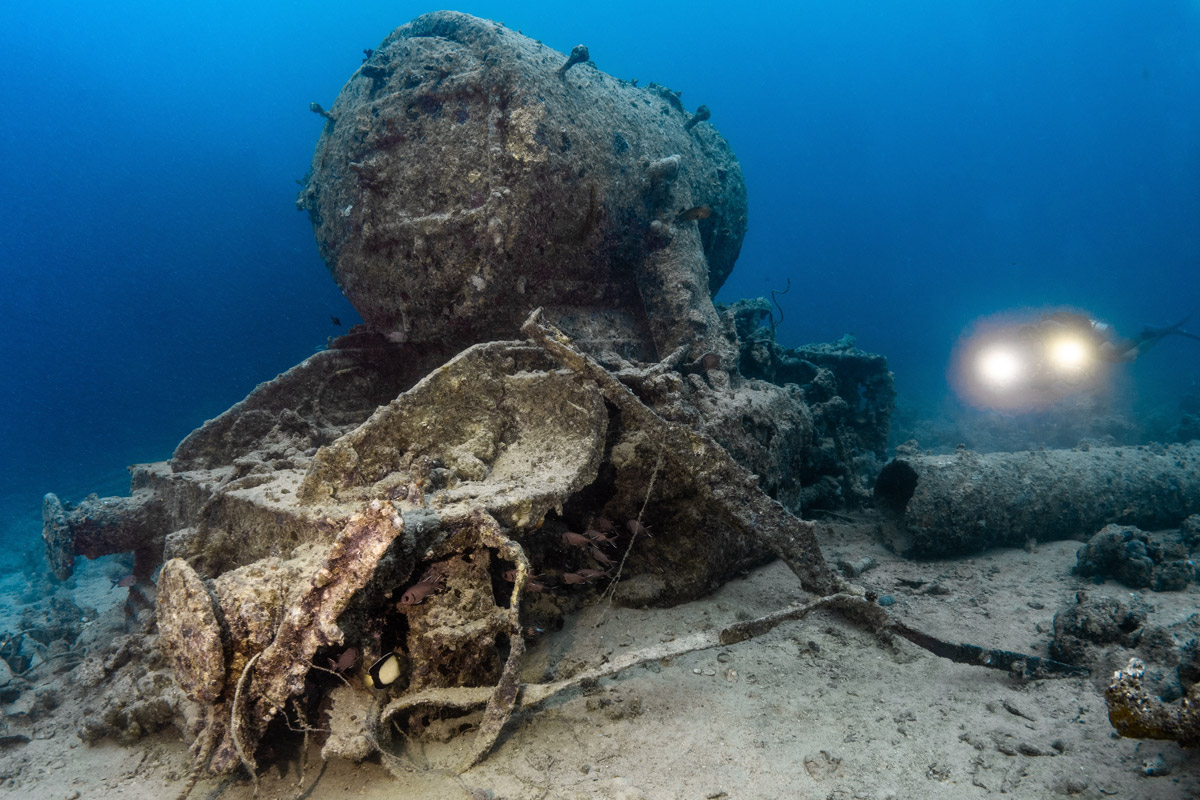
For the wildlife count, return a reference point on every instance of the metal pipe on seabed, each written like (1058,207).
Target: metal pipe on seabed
(964,502)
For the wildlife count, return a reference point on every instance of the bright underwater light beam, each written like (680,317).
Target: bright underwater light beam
(1028,361)
(999,367)
(1069,355)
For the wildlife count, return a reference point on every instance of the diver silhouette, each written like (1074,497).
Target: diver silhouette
(1131,349)
(1108,345)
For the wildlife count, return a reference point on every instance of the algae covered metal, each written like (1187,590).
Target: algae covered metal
(277,564)
(967,501)
(433,489)
(463,179)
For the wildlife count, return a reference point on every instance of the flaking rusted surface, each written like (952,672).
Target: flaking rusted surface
(190,634)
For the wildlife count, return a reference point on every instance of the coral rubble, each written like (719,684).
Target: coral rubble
(1138,714)
(1137,559)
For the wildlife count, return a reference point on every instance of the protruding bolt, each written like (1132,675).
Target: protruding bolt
(659,175)
(579,54)
(702,113)
(664,170)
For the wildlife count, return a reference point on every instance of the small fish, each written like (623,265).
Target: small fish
(435,574)
(335,320)
(637,528)
(345,661)
(604,525)
(598,537)
(694,213)
(573,577)
(417,593)
(510,575)
(590,574)
(575,539)
(128,580)
(599,555)
(384,672)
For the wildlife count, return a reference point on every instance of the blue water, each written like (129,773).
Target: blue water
(911,167)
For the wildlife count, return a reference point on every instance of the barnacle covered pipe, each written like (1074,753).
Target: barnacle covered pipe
(967,501)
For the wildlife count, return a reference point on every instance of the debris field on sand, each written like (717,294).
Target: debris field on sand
(545,408)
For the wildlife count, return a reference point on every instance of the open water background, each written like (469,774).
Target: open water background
(912,166)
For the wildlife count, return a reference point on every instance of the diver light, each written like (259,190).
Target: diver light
(1068,355)
(1000,367)
(1026,361)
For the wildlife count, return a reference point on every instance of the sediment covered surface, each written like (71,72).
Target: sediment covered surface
(965,502)
(815,708)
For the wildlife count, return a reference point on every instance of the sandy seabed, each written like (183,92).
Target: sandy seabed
(817,708)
